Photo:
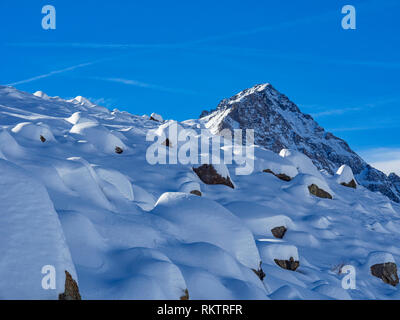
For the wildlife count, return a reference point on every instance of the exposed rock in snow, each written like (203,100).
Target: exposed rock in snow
(290,264)
(196,192)
(279,232)
(209,174)
(387,272)
(118,150)
(345,177)
(278,123)
(33,131)
(71,289)
(99,136)
(318,192)
(156,117)
(383,266)
(281,176)
(285,256)
(301,162)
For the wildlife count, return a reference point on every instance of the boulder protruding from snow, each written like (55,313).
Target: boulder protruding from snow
(301,162)
(279,232)
(387,272)
(290,264)
(259,272)
(209,175)
(196,192)
(185,295)
(32,131)
(281,176)
(345,177)
(156,117)
(318,192)
(71,289)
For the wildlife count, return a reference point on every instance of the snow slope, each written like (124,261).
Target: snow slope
(126,229)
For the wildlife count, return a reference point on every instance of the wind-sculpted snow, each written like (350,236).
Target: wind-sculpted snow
(278,123)
(128,229)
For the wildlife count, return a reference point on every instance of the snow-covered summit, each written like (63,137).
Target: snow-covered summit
(278,123)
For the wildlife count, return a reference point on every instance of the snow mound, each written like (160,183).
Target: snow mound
(378,257)
(104,140)
(82,101)
(197,219)
(156,117)
(8,146)
(77,118)
(266,159)
(118,180)
(79,176)
(30,227)
(344,174)
(32,131)
(148,274)
(301,162)
(41,94)
(300,184)
(270,252)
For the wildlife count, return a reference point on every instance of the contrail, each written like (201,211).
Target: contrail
(49,74)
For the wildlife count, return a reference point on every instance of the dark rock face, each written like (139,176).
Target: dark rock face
(387,272)
(260,272)
(196,192)
(279,232)
(71,289)
(316,191)
(118,150)
(209,175)
(351,184)
(290,264)
(395,179)
(185,295)
(281,176)
(278,123)
(43,139)
(151,118)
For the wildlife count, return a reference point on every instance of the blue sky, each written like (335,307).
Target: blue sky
(180,57)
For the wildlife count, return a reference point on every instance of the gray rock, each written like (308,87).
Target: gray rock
(71,289)
(209,175)
(196,192)
(387,272)
(281,176)
(290,264)
(279,232)
(318,192)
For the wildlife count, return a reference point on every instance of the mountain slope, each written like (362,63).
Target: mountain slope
(278,123)
(128,229)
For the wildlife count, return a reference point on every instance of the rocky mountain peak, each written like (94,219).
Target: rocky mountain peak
(278,123)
